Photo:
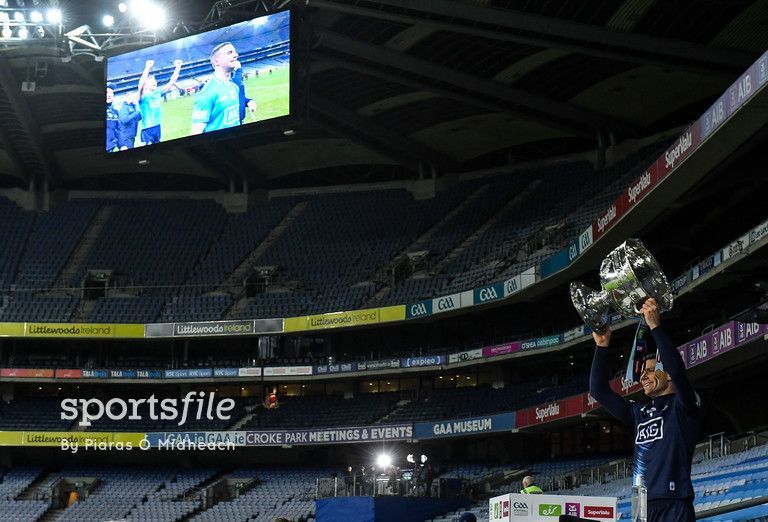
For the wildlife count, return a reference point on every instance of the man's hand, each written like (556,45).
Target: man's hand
(251,106)
(651,313)
(603,339)
(149,64)
(177,63)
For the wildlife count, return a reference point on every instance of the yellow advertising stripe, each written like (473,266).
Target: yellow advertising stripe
(10,438)
(295,324)
(132,438)
(129,331)
(81,438)
(73,330)
(389,314)
(11,329)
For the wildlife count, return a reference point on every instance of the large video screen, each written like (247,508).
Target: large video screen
(220,79)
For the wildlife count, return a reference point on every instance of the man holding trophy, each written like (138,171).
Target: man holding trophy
(666,427)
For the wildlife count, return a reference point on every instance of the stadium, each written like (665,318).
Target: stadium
(355,301)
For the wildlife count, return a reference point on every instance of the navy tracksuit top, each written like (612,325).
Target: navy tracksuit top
(666,427)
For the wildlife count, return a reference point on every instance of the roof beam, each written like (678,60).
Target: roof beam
(603,37)
(481,103)
(396,146)
(24,115)
(533,103)
(16,162)
(538,40)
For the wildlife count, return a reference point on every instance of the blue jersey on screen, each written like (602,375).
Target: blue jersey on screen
(217,105)
(150,108)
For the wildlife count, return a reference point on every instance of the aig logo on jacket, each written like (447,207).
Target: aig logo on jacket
(650,431)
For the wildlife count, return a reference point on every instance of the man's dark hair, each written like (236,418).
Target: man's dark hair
(468,517)
(649,357)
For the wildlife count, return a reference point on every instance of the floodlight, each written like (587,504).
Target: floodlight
(383,460)
(54,16)
(36,17)
(150,15)
(108,20)
(23,33)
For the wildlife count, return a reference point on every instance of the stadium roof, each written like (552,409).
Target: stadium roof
(394,89)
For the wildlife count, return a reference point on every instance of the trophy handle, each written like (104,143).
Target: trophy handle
(639,304)
(592,306)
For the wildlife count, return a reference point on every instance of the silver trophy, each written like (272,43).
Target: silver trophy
(629,275)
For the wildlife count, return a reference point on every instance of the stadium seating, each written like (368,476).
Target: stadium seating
(323,411)
(41,413)
(279,493)
(449,403)
(154,245)
(174,256)
(16,227)
(241,234)
(195,308)
(52,240)
(20,307)
(144,309)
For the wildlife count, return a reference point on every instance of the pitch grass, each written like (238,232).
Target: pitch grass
(270,91)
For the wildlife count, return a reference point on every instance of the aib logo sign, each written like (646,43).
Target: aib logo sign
(550,510)
(572,509)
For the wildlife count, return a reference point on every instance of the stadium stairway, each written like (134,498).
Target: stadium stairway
(75,263)
(234,280)
(84,310)
(419,244)
(51,515)
(453,254)
(34,487)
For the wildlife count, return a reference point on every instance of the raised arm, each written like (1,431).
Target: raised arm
(670,357)
(599,379)
(174,77)
(144,75)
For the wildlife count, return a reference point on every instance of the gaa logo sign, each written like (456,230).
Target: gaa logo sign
(445,303)
(520,509)
(489,293)
(419,309)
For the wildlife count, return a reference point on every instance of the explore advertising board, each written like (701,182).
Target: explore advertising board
(548,508)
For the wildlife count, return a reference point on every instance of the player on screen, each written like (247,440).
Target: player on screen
(217,106)
(113,119)
(245,102)
(130,116)
(151,99)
